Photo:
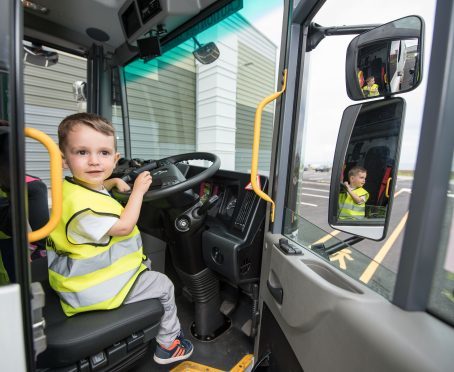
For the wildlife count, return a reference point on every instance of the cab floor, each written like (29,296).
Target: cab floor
(222,353)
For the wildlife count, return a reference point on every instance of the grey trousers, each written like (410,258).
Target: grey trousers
(153,284)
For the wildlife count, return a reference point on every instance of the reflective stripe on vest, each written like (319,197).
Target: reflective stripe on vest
(92,276)
(348,209)
(98,293)
(69,267)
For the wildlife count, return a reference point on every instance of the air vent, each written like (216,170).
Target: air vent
(243,214)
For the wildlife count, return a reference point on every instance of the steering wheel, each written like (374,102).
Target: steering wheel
(167,178)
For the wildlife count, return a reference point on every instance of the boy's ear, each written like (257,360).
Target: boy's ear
(117,157)
(64,163)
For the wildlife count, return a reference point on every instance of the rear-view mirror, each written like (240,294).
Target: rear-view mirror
(365,168)
(207,53)
(385,60)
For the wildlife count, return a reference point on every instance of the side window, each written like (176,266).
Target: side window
(373,263)
(442,295)
(50,96)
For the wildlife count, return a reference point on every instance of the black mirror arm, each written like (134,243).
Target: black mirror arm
(317,33)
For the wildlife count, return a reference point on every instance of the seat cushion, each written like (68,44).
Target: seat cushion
(85,334)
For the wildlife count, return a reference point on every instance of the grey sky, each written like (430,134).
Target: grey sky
(327,96)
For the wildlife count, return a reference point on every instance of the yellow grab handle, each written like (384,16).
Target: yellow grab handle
(56,175)
(387,187)
(256,143)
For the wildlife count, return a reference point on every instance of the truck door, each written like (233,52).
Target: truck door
(352,311)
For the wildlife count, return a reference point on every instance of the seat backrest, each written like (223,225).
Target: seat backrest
(375,162)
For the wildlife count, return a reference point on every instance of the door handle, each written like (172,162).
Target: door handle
(276,292)
(56,180)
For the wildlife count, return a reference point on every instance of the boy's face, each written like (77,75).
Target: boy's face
(90,155)
(359,180)
(371,81)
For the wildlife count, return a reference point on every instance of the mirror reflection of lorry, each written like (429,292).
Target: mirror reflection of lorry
(253,290)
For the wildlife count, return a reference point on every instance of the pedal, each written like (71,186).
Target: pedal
(227,307)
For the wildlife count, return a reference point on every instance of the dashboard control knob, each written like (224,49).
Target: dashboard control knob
(182,224)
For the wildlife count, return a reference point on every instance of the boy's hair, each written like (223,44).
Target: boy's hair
(355,170)
(96,122)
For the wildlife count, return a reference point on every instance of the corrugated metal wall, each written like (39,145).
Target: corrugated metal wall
(255,82)
(161,101)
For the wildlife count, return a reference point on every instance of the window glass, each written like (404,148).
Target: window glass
(442,295)
(373,263)
(51,92)
(177,104)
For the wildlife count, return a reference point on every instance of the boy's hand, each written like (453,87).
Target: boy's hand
(121,185)
(142,182)
(347,185)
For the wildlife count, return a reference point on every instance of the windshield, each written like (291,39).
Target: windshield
(177,104)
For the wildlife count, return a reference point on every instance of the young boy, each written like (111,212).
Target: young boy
(370,89)
(352,205)
(95,254)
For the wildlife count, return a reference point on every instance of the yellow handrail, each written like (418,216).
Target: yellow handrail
(256,143)
(56,175)
(387,187)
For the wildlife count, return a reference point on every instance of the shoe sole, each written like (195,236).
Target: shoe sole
(172,360)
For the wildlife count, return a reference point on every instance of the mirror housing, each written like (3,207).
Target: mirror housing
(37,56)
(385,60)
(368,147)
(207,53)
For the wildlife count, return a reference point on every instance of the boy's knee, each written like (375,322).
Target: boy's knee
(167,283)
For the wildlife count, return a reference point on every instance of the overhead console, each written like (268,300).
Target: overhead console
(139,17)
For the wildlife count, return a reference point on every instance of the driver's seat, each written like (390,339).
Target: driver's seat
(98,340)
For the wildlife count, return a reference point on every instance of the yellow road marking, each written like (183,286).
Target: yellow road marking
(341,256)
(327,237)
(373,266)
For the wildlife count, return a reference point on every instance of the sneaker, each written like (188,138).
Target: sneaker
(180,349)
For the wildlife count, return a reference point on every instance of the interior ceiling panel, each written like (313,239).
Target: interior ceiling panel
(71,19)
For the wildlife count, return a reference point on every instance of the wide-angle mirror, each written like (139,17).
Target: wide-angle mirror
(386,60)
(365,168)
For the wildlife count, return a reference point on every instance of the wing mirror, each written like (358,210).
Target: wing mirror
(365,167)
(207,53)
(37,56)
(385,60)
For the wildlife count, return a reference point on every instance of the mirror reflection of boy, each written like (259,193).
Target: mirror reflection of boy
(370,89)
(352,203)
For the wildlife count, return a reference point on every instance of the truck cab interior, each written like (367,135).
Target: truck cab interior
(202,226)
(274,284)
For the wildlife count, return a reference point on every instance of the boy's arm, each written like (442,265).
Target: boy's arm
(130,215)
(357,199)
(121,185)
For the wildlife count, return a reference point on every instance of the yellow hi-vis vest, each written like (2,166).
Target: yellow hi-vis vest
(348,209)
(371,91)
(91,276)
(4,277)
